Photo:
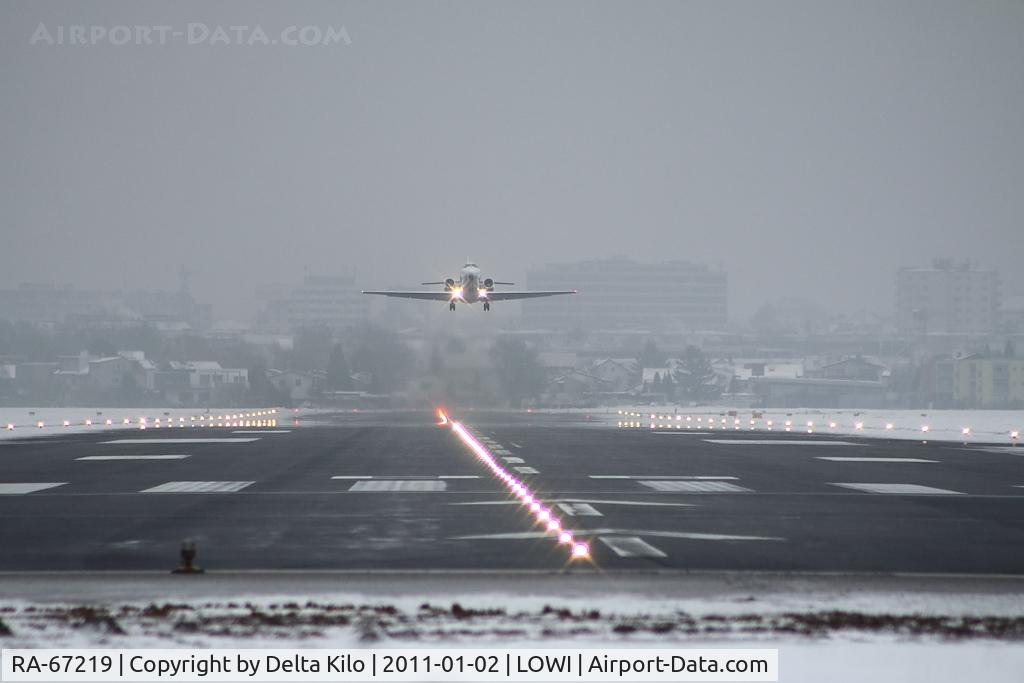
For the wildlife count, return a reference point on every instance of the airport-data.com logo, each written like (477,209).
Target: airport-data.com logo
(192,33)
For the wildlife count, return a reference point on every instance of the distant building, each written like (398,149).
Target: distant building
(334,302)
(947,298)
(620,293)
(298,386)
(96,309)
(974,381)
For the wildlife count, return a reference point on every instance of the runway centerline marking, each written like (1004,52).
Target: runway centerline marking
(835,458)
(165,456)
(579,510)
(17,489)
(913,489)
(781,442)
(401,485)
(677,486)
(631,546)
(212,440)
(199,487)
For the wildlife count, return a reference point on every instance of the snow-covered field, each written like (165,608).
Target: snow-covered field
(821,635)
(964,426)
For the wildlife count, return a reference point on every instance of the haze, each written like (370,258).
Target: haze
(808,148)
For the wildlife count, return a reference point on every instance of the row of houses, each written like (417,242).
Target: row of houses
(849,382)
(126,377)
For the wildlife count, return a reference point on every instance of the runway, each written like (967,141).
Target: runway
(387,491)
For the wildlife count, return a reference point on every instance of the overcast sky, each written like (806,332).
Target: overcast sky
(810,148)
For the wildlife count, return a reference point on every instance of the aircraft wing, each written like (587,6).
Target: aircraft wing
(508,296)
(432,296)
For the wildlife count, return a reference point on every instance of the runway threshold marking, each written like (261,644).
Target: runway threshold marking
(631,546)
(579,510)
(199,487)
(694,486)
(674,477)
(402,485)
(513,460)
(18,489)
(781,442)
(212,440)
(835,458)
(526,470)
(513,444)
(165,456)
(913,489)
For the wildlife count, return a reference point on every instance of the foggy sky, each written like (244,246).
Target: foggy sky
(809,148)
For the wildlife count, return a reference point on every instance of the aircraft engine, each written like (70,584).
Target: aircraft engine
(488,283)
(449,284)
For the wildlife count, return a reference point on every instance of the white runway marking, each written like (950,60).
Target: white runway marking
(199,487)
(393,477)
(781,442)
(579,510)
(627,502)
(19,489)
(262,431)
(133,457)
(514,444)
(688,535)
(581,500)
(684,431)
(834,458)
(631,546)
(525,470)
(714,477)
(382,485)
(915,489)
(694,486)
(513,460)
(138,441)
(501,451)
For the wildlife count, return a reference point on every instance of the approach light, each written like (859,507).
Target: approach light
(581,550)
(565,537)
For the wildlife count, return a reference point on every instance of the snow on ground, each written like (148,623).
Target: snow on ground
(962,426)
(24,423)
(820,637)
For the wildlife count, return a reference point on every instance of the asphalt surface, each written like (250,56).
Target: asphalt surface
(413,497)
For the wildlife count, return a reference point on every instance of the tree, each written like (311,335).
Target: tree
(387,359)
(520,375)
(312,348)
(696,377)
(651,356)
(339,375)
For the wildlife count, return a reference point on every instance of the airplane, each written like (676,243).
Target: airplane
(469,289)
